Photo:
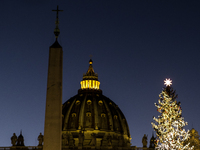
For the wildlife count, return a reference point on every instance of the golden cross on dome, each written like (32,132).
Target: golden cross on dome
(167,82)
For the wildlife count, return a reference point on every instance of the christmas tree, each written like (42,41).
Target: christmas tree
(169,125)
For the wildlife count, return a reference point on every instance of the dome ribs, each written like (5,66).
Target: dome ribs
(92,113)
(81,116)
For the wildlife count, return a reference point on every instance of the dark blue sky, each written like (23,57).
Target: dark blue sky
(135,44)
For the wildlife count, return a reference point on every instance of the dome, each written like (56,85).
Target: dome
(92,119)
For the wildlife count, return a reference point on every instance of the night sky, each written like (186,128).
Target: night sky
(135,45)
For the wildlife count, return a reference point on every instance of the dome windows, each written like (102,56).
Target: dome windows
(78,102)
(73,114)
(100,102)
(88,114)
(103,115)
(89,102)
(90,84)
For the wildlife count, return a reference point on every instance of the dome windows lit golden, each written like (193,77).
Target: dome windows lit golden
(103,115)
(88,114)
(90,84)
(78,102)
(73,114)
(89,102)
(100,102)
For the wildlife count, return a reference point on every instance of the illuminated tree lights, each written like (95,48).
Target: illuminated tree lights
(169,125)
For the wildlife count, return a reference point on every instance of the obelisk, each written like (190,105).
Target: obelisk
(53,112)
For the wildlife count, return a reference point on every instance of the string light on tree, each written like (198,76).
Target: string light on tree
(169,125)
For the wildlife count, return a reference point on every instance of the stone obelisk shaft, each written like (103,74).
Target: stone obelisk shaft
(53,114)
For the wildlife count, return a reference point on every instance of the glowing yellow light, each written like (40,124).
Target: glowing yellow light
(167,82)
(86,84)
(81,84)
(91,84)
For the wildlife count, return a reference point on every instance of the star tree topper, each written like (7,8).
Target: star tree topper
(167,82)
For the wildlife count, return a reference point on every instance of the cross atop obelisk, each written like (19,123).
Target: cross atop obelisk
(57,30)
